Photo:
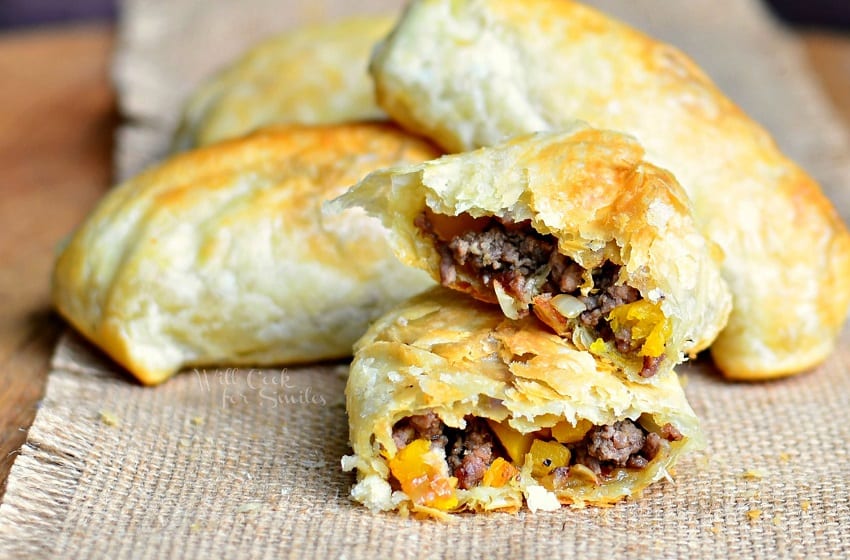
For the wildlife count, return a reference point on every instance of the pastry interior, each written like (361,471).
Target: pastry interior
(489,462)
(510,263)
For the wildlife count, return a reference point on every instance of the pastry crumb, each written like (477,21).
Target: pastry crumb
(805,505)
(784,457)
(108,418)
(753,474)
(249,507)
(197,420)
(754,514)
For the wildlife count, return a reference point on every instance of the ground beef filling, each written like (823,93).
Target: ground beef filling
(527,264)
(622,444)
(470,451)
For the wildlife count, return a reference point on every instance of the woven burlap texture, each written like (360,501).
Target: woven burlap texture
(245,463)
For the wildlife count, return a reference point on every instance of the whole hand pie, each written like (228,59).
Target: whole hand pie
(453,407)
(573,226)
(469,73)
(221,255)
(312,75)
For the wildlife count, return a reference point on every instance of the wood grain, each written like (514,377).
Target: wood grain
(56,122)
(57,117)
(829,54)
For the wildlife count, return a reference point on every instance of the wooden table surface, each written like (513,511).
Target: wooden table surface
(57,119)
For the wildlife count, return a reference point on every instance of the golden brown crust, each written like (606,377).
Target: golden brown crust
(540,64)
(221,255)
(446,353)
(593,192)
(312,75)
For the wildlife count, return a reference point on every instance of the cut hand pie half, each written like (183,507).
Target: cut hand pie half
(453,407)
(221,256)
(574,226)
(470,73)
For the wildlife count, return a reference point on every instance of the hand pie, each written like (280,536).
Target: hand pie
(469,73)
(600,244)
(313,75)
(221,255)
(453,407)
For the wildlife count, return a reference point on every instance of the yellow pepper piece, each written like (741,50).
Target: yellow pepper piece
(648,325)
(567,432)
(598,346)
(546,456)
(499,473)
(515,443)
(423,475)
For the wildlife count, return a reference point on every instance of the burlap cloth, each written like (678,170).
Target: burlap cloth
(238,463)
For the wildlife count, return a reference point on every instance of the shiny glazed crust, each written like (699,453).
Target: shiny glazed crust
(444,352)
(221,255)
(469,73)
(313,75)
(592,190)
